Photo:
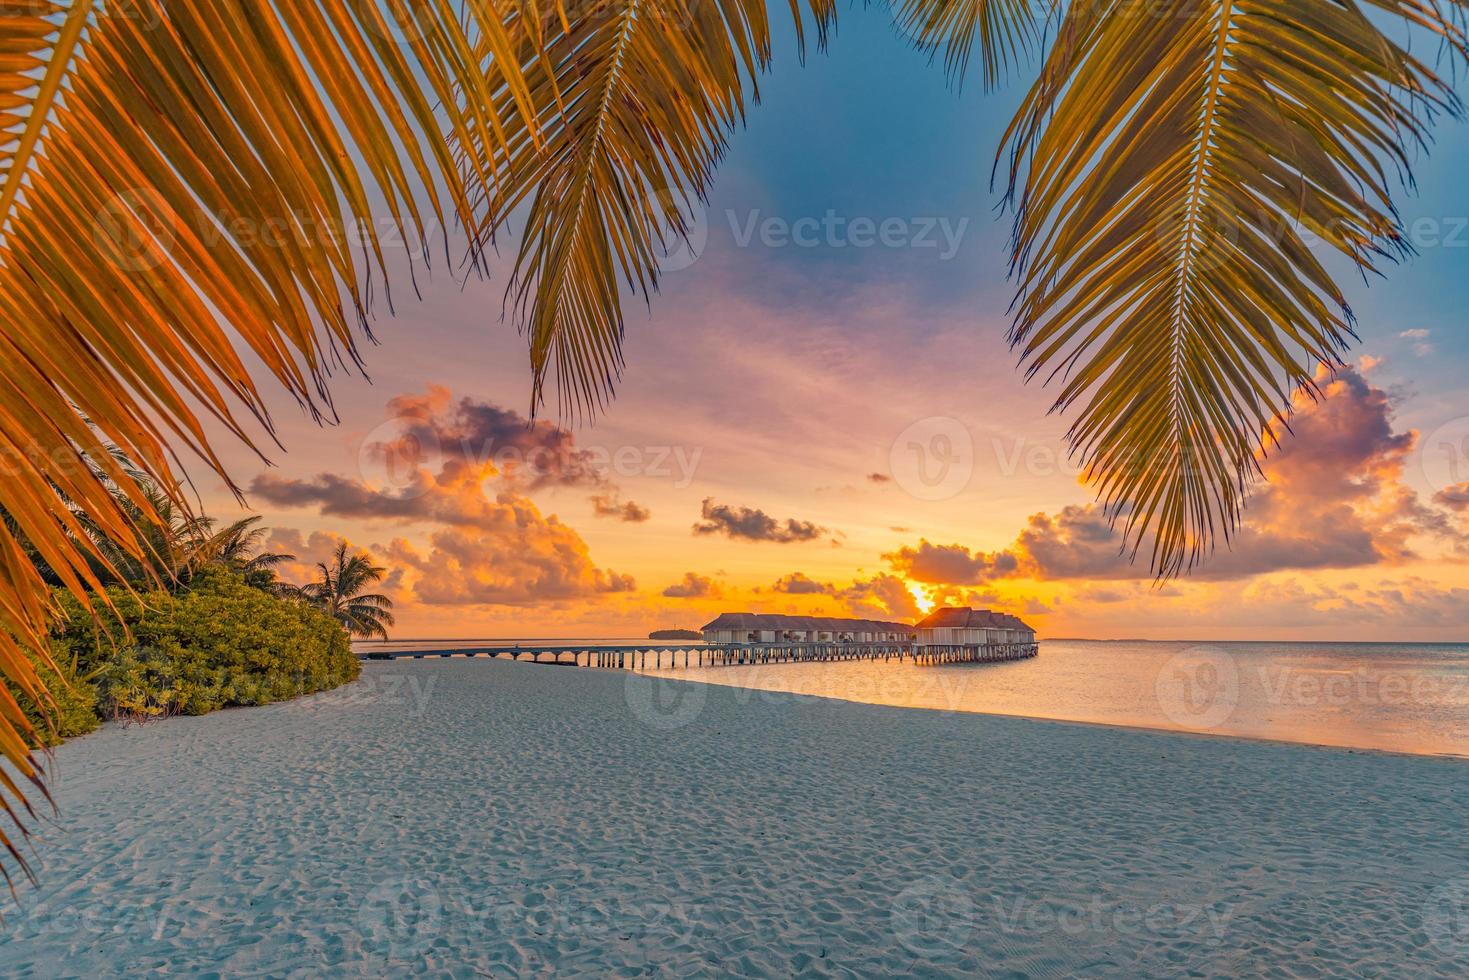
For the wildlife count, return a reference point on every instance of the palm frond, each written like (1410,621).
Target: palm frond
(37,33)
(186,186)
(1169,172)
(366,621)
(287,590)
(1006,30)
(635,101)
(339,593)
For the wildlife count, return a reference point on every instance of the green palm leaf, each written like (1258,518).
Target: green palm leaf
(1169,171)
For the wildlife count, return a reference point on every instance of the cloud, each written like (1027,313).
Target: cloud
(444,461)
(491,544)
(879,478)
(748,524)
(1333,498)
(425,499)
(1286,605)
(435,431)
(1422,347)
(694,586)
(798,583)
(318,547)
(1455,497)
(516,558)
(883,596)
(1105,596)
(611,505)
(1077,542)
(307,550)
(951,564)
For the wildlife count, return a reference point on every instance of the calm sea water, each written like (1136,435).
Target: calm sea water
(1398,697)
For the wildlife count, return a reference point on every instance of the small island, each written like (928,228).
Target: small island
(675,635)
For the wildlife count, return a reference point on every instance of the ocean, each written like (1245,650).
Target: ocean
(1403,697)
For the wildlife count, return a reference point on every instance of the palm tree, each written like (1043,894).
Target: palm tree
(172,546)
(339,593)
(238,548)
(182,183)
(168,545)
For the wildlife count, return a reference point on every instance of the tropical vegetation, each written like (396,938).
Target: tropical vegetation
(218,643)
(73,710)
(201,621)
(184,185)
(341,594)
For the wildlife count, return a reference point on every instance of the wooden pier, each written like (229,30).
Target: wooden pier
(656,657)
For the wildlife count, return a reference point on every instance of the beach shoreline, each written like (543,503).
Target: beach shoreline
(474,818)
(705,678)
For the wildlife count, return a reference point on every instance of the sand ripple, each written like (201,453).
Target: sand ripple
(485,818)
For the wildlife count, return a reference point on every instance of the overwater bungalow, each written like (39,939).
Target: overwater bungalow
(745,628)
(972,627)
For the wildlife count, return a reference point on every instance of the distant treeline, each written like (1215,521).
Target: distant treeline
(675,635)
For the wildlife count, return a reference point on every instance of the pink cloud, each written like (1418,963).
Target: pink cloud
(1333,497)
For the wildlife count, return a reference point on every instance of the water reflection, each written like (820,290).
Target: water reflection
(1404,698)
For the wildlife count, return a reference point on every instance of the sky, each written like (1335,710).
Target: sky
(820,415)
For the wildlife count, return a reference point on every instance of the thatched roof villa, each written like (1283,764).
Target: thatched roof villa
(972,627)
(943,627)
(746,627)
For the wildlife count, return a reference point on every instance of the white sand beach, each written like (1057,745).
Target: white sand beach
(493,819)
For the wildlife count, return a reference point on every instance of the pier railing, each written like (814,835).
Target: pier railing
(661,657)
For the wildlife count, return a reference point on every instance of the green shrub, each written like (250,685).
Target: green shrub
(218,644)
(75,700)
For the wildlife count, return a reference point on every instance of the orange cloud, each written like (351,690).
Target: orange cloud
(950,564)
(612,505)
(883,596)
(798,583)
(694,586)
(514,556)
(490,547)
(436,430)
(306,550)
(1455,497)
